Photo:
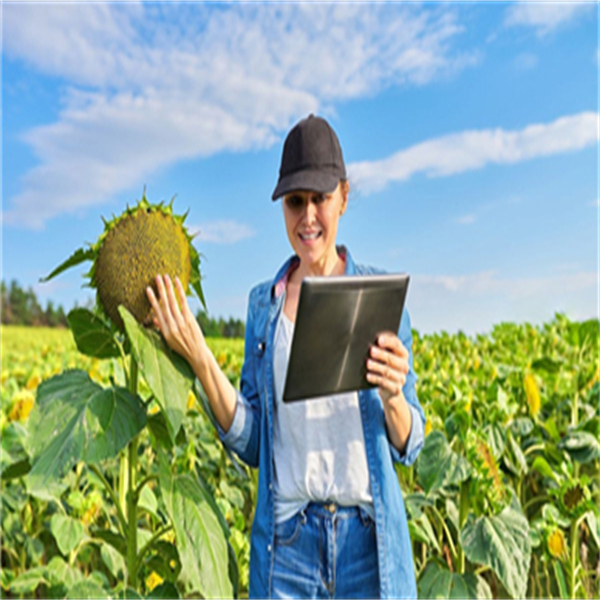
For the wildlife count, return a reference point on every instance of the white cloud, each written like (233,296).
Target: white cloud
(526,61)
(544,17)
(222,232)
(476,301)
(470,150)
(152,84)
(488,282)
(467,219)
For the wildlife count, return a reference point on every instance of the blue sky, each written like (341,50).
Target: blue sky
(470,133)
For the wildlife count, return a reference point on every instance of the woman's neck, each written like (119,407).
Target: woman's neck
(333,264)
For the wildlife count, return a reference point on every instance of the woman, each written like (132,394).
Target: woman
(330,520)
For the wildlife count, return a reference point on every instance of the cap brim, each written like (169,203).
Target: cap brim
(314,181)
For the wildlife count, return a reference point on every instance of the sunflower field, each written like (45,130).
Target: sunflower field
(502,502)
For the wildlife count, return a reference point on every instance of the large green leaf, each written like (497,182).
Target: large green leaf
(168,375)
(76,419)
(438,582)
(113,560)
(502,543)
(438,465)
(92,335)
(583,446)
(16,470)
(87,590)
(200,540)
(59,572)
(28,581)
(67,532)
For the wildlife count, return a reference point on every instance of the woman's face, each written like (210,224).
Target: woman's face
(311,221)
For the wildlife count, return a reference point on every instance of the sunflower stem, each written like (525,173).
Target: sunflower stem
(463,509)
(132,495)
(573,557)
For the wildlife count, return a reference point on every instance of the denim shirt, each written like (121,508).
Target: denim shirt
(250,436)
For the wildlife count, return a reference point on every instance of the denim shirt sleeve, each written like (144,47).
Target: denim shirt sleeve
(416,436)
(243,435)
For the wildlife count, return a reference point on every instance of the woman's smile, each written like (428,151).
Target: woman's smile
(310,236)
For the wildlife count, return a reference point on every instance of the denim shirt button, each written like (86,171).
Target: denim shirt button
(269,548)
(271,486)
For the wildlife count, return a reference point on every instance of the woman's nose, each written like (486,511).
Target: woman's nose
(310,212)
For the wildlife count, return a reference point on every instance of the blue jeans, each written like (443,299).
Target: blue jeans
(326,551)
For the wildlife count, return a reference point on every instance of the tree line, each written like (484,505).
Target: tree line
(20,306)
(232,328)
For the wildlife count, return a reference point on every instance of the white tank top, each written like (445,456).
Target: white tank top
(318,445)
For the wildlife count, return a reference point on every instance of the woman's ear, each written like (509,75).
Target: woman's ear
(345,190)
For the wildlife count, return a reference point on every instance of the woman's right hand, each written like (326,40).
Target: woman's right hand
(183,335)
(177,323)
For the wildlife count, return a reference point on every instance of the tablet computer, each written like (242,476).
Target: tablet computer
(338,320)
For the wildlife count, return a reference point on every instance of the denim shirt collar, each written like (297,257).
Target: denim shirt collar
(290,265)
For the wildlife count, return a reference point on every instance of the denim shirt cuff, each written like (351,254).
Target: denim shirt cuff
(238,434)
(414,442)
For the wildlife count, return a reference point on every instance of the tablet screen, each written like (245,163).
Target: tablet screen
(338,319)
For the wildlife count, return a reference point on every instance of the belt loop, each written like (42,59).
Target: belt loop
(303,516)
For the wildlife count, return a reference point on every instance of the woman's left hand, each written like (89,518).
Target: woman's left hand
(387,366)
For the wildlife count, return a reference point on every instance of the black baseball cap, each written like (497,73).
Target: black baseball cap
(311,159)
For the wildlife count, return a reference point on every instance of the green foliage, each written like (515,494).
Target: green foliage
(503,500)
(438,581)
(510,463)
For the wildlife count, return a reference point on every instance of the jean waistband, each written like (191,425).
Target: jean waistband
(329,509)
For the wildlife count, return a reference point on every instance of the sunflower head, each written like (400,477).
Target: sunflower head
(574,498)
(532,394)
(556,543)
(141,243)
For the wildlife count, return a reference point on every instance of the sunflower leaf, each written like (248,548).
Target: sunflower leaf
(76,419)
(167,374)
(201,542)
(80,255)
(92,335)
(502,543)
